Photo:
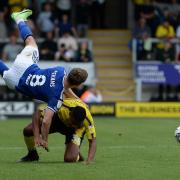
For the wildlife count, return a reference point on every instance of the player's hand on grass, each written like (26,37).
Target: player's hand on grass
(44,144)
(88,162)
(39,142)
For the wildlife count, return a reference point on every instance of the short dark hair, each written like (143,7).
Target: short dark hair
(79,114)
(77,76)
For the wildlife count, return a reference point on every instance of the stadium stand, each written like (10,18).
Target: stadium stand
(107,48)
(161,49)
(113,64)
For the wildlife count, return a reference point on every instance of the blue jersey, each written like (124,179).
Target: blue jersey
(43,84)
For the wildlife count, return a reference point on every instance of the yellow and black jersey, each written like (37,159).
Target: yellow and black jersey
(63,113)
(88,123)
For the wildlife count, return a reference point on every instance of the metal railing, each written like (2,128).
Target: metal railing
(135,60)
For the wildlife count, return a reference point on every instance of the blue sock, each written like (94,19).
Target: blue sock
(3,68)
(25,31)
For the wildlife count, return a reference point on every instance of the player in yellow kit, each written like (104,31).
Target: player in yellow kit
(73,120)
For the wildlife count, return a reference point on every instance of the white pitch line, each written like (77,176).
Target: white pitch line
(139,146)
(19,148)
(102,147)
(11,148)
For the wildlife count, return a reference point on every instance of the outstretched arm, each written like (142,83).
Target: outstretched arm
(92,150)
(36,124)
(46,123)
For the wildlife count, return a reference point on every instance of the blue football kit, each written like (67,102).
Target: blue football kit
(43,84)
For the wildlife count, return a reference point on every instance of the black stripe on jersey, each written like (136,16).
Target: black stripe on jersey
(92,135)
(82,137)
(70,108)
(88,121)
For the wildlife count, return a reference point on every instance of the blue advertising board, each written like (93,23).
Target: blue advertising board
(158,73)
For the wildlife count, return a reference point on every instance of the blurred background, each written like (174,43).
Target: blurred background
(130,48)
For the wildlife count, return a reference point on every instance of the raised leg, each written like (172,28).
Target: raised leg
(25,31)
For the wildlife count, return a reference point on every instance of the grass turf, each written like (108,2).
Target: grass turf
(127,149)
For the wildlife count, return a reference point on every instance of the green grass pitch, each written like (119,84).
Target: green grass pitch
(127,149)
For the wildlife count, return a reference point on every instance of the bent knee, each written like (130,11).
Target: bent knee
(71,158)
(27,132)
(31,41)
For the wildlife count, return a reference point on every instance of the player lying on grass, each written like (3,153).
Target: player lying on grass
(73,120)
(47,85)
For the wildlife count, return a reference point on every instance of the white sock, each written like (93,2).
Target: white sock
(19,20)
